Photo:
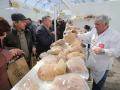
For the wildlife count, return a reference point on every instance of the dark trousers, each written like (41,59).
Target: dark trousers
(101,83)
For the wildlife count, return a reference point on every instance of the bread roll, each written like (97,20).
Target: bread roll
(50,71)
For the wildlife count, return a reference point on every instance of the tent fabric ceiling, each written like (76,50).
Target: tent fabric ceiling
(60,4)
(45,4)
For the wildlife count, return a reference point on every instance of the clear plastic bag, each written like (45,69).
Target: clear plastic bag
(55,50)
(69,82)
(77,65)
(29,84)
(59,42)
(75,54)
(44,54)
(50,59)
(50,71)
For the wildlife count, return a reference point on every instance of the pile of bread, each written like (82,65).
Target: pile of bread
(73,29)
(65,56)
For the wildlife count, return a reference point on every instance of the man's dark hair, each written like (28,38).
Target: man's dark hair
(29,19)
(45,17)
(87,27)
(4,26)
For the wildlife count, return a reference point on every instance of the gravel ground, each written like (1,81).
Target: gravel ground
(113,79)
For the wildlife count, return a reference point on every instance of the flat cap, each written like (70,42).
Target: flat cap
(18,17)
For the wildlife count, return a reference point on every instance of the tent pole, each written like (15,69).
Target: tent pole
(55,15)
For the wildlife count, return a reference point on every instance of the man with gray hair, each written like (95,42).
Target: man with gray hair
(44,37)
(104,47)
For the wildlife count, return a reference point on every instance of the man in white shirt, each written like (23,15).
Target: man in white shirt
(105,45)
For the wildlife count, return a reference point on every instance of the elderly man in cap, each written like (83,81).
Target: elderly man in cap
(19,37)
(105,45)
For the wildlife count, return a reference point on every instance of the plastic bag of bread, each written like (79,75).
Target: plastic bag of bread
(75,65)
(76,43)
(50,71)
(75,54)
(76,49)
(69,82)
(76,58)
(60,68)
(63,54)
(77,46)
(59,42)
(29,84)
(50,59)
(70,37)
(55,50)
(44,54)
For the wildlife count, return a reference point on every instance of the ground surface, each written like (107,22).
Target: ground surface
(113,80)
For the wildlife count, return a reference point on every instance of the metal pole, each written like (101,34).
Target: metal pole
(55,14)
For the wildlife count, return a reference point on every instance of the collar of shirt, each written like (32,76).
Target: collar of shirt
(104,33)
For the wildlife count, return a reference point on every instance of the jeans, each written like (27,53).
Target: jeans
(100,84)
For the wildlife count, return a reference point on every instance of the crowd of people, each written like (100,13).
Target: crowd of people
(24,37)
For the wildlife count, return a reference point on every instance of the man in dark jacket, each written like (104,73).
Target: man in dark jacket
(44,38)
(19,37)
(32,27)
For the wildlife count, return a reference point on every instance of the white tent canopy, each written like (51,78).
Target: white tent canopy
(35,9)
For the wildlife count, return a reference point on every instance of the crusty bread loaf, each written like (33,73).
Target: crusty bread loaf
(50,71)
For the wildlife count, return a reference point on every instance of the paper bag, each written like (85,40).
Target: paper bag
(17,70)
